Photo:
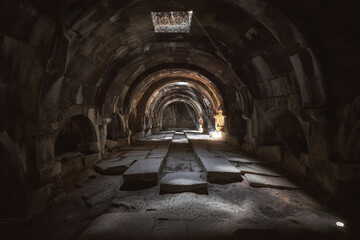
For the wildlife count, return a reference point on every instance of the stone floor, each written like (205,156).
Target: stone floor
(264,204)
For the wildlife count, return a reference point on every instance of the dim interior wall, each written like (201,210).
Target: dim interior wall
(179,115)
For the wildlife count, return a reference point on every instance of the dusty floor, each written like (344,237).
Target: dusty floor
(99,210)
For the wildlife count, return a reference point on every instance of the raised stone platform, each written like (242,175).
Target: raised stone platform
(178,182)
(142,174)
(270,182)
(137,153)
(220,170)
(114,166)
(258,169)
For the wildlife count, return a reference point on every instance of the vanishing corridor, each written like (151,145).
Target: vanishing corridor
(260,198)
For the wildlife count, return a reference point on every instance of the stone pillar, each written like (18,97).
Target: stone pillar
(43,170)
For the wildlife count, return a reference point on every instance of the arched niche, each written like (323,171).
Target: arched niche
(134,123)
(179,115)
(76,134)
(116,128)
(280,127)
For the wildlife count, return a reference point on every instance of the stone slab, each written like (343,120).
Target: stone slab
(137,153)
(142,174)
(159,151)
(178,182)
(270,182)
(137,158)
(157,155)
(243,160)
(257,169)
(220,170)
(68,156)
(114,167)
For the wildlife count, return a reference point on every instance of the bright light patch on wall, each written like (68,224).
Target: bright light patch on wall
(340,224)
(216,135)
(172,22)
(181,83)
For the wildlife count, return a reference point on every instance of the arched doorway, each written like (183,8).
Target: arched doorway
(179,115)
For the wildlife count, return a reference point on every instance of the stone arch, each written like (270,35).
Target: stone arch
(116,128)
(183,108)
(78,133)
(12,180)
(280,127)
(134,122)
(146,126)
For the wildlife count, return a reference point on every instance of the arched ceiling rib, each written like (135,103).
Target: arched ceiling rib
(112,48)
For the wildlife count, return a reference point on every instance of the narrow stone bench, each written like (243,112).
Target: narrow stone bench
(114,166)
(220,170)
(142,174)
(269,182)
(178,182)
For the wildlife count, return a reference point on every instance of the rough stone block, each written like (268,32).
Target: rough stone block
(270,182)
(258,169)
(111,145)
(178,182)
(89,160)
(114,167)
(220,170)
(142,174)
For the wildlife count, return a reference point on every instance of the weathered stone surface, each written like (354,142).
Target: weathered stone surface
(67,156)
(144,172)
(114,167)
(89,160)
(220,170)
(111,144)
(157,155)
(270,182)
(258,169)
(178,182)
(159,151)
(136,153)
(243,160)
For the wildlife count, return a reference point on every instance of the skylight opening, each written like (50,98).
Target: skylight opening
(181,83)
(172,22)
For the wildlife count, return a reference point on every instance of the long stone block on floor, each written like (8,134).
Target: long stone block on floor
(220,170)
(142,174)
(178,182)
(258,169)
(114,166)
(136,153)
(270,182)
